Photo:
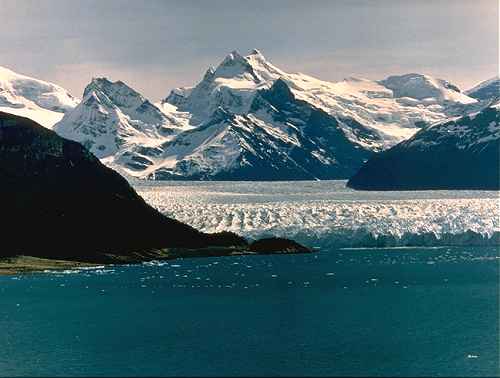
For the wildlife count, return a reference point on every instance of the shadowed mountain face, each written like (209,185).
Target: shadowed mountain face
(59,201)
(460,154)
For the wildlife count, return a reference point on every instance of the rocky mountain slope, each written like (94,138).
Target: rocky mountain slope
(462,153)
(249,120)
(38,100)
(59,201)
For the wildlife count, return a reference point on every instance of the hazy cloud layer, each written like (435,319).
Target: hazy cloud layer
(157,45)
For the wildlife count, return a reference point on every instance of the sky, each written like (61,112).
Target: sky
(157,45)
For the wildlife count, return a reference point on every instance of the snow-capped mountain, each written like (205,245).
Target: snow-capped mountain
(391,108)
(252,120)
(279,137)
(424,87)
(113,118)
(462,153)
(488,90)
(38,100)
(247,119)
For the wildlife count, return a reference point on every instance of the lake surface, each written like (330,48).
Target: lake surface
(354,311)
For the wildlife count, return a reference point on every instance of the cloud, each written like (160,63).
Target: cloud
(158,45)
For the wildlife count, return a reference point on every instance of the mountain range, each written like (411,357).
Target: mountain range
(246,120)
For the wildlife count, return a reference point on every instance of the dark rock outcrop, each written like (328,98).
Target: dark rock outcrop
(277,245)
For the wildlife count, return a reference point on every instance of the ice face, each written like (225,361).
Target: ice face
(326,214)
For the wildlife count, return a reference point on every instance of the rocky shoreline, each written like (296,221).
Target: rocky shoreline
(29,264)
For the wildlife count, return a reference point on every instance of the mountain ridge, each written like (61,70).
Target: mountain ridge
(488,90)
(231,124)
(462,153)
(226,124)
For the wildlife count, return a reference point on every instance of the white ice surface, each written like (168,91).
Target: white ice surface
(323,213)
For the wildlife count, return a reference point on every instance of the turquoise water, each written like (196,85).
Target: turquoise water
(393,312)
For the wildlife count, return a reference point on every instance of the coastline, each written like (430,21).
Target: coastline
(29,264)
(10,266)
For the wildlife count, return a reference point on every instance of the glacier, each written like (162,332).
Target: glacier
(327,214)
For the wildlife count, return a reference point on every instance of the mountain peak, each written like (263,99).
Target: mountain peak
(422,87)
(255,52)
(235,65)
(232,57)
(97,83)
(486,90)
(110,114)
(104,82)
(39,100)
(262,67)
(117,92)
(102,79)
